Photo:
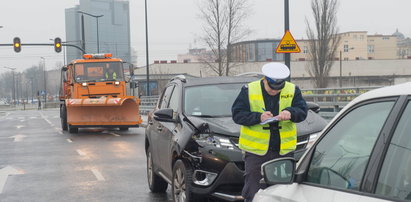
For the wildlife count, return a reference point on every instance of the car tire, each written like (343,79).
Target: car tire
(155,182)
(181,182)
(63,117)
(72,129)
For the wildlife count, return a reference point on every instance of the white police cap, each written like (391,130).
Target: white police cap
(275,70)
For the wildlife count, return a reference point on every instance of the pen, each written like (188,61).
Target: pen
(263,109)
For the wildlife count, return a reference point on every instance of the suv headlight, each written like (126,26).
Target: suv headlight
(214,140)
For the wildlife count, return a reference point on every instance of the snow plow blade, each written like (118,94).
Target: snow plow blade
(104,112)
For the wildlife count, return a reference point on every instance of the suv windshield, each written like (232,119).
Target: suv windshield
(98,71)
(211,100)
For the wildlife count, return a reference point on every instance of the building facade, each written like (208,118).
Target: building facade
(355,45)
(113,28)
(256,51)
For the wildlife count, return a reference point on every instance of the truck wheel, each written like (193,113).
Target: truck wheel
(123,128)
(72,129)
(63,118)
(155,182)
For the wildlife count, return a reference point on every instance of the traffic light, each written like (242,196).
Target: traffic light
(17,44)
(57,45)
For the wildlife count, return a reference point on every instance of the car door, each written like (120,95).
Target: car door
(336,165)
(157,132)
(170,130)
(394,180)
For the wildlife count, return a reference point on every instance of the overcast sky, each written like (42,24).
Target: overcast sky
(174,25)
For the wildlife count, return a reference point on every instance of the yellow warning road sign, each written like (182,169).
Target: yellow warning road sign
(288,44)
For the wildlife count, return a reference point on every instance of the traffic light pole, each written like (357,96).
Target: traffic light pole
(46,44)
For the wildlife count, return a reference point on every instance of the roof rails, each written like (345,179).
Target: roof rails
(180,77)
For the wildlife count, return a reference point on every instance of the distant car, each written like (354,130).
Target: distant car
(191,139)
(364,154)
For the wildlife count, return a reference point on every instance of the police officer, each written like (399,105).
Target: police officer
(271,96)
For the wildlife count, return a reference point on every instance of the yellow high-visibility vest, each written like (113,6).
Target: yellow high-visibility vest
(114,75)
(255,139)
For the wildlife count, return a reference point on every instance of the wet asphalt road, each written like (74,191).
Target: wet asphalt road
(39,162)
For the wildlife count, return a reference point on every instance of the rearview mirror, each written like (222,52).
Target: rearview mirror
(279,171)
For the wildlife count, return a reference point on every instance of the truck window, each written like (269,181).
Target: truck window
(98,71)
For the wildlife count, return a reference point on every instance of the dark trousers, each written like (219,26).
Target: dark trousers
(252,174)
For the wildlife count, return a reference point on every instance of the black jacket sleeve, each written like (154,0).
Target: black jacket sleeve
(298,107)
(241,110)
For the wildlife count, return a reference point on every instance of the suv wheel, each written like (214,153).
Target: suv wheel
(181,183)
(155,182)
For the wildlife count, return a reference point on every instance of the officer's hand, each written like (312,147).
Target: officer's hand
(284,115)
(266,115)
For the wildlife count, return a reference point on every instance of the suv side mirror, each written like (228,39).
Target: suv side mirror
(279,171)
(314,107)
(165,115)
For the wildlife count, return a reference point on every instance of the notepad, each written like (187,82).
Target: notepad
(272,119)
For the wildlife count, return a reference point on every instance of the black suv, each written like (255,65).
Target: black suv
(191,140)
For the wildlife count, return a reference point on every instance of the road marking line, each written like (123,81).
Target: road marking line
(4,174)
(19,126)
(60,132)
(18,138)
(81,153)
(68,140)
(98,175)
(117,135)
(22,120)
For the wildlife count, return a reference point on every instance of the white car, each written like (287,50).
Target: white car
(363,154)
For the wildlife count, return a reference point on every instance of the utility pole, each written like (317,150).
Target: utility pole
(83,37)
(340,69)
(147,58)
(287,56)
(45,81)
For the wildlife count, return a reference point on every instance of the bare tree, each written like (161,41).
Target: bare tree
(222,26)
(323,39)
(238,11)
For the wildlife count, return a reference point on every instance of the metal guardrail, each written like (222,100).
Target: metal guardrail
(147,104)
(331,100)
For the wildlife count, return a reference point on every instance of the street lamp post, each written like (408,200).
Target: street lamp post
(45,81)
(82,22)
(147,58)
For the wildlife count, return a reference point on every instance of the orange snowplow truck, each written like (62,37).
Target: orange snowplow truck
(93,94)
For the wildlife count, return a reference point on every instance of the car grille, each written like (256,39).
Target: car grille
(234,140)
(302,141)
